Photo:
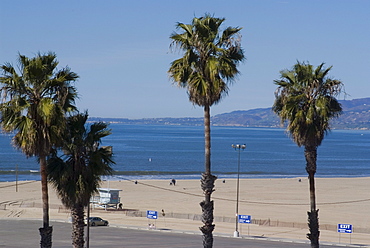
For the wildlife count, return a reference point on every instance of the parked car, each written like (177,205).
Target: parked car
(97,221)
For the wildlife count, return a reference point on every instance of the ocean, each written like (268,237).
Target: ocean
(165,152)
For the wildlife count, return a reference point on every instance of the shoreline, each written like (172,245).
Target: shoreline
(280,204)
(168,177)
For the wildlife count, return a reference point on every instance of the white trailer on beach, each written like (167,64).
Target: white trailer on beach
(107,198)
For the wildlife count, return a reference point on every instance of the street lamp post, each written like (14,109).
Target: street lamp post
(237,147)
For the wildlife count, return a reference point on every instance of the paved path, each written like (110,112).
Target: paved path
(24,233)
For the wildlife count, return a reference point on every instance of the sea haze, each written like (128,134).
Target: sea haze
(166,151)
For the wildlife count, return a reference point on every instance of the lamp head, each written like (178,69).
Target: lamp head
(237,146)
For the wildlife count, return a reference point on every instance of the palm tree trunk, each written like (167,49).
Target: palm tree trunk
(207,185)
(45,231)
(313,220)
(78,226)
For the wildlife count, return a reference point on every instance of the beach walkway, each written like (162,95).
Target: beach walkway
(278,207)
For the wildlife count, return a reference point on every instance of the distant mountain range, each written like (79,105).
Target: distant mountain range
(356,115)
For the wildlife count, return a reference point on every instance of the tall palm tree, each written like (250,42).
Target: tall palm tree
(306,101)
(76,174)
(208,66)
(34,104)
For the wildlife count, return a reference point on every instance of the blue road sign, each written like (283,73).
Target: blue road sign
(244,219)
(344,228)
(152,214)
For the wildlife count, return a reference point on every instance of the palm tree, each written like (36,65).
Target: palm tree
(208,66)
(305,99)
(34,104)
(76,175)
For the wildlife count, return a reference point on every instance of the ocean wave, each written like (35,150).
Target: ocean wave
(166,175)
(20,172)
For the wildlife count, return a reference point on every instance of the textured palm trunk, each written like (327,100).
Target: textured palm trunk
(313,220)
(46,231)
(207,185)
(78,226)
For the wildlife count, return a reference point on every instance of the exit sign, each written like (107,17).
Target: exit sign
(344,228)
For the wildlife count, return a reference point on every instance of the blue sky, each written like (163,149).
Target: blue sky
(120,49)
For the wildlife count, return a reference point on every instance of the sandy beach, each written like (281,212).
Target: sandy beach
(278,207)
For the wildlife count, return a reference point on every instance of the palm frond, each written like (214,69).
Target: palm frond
(210,59)
(83,162)
(35,102)
(306,99)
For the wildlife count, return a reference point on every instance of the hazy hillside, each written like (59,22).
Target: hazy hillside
(262,117)
(356,115)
